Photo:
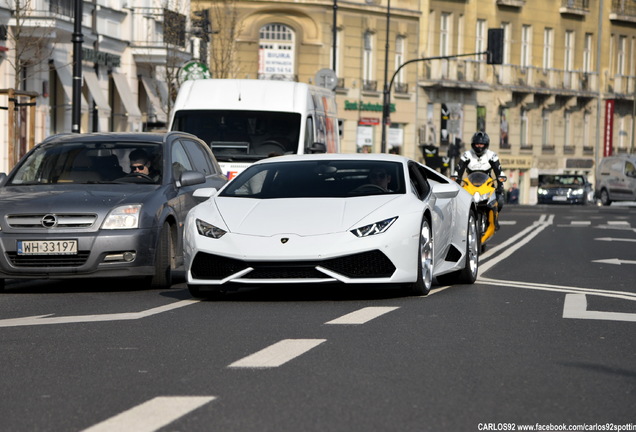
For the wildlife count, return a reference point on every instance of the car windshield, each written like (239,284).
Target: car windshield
(242,135)
(89,163)
(563,180)
(318,179)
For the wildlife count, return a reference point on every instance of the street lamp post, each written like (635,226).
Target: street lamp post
(387,88)
(78,38)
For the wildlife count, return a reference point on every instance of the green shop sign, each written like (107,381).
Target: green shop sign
(366,106)
(101,58)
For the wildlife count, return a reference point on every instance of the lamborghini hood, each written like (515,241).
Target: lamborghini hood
(301,216)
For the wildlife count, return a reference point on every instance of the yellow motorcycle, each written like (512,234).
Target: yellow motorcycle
(484,191)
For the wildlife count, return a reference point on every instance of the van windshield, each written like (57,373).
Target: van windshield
(242,135)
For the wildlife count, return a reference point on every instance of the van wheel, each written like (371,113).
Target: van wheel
(605,198)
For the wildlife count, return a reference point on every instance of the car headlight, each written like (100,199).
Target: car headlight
(123,217)
(543,191)
(374,228)
(209,230)
(578,192)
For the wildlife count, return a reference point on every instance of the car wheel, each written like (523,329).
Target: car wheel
(163,259)
(467,275)
(605,198)
(422,285)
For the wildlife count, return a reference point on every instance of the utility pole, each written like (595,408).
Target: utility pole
(334,30)
(78,38)
(387,89)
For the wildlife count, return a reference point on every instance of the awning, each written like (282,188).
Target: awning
(66,78)
(154,90)
(125,94)
(92,82)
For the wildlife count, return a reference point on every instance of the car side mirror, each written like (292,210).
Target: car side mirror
(3,178)
(317,147)
(448,190)
(203,194)
(189,178)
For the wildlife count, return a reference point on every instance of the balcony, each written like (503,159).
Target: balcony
(511,3)
(455,73)
(401,88)
(159,37)
(575,7)
(368,85)
(623,10)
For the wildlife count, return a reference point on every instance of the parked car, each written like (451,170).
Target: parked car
(102,205)
(355,219)
(564,189)
(616,179)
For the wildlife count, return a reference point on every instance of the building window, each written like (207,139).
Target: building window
(480,36)
(523,128)
(545,129)
(568,58)
(445,34)
(548,41)
(276,58)
(622,55)
(587,53)
(367,63)
(507,28)
(526,46)
(567,130)
(400,43)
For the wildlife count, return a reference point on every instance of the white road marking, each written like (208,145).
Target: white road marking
(559,288)
(363,315)
(614,239)
(581,223)
(514,243)
(575,306)
(277,354)
(618,223)
(151,415)
(507,222)
(48,319)
(615,261)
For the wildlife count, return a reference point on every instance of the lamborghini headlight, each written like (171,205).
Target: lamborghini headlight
(208,230)
(374,228)
(123,217)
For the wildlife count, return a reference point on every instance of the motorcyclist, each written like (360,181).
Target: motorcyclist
(481,159)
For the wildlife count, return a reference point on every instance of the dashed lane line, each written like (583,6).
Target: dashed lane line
(363,315)
(277,354)
(151,415)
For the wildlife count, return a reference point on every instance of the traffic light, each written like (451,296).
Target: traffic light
(201,25)
(495,46)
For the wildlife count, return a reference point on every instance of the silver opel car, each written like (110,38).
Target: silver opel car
(102,205)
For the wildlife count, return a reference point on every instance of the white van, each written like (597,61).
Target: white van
(247,120)
(616,179)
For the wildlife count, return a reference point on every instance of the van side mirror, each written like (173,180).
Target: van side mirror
(317,147)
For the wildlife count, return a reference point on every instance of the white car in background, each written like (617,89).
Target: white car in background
(322,218)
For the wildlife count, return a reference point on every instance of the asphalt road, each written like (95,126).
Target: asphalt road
(547,336)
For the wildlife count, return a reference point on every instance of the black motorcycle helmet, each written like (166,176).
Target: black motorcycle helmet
(480,138)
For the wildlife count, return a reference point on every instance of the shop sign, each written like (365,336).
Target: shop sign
(366,106)
(101,58)
(194,70)
(368,121)
(609,128)
(516,162)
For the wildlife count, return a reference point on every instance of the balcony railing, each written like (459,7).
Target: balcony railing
(576,7)
(623,10)
(368,85)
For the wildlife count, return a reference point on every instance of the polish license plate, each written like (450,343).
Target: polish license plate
(47,247)
(559,198)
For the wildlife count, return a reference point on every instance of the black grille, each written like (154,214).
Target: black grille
(373,264)
(48,260)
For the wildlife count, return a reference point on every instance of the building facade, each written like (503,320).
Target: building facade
(563,98)
(129,51)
